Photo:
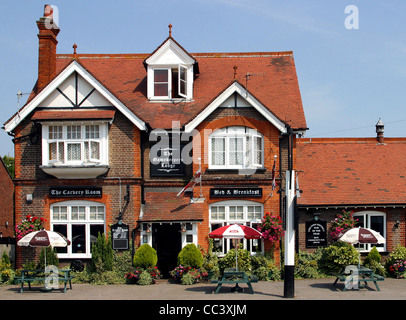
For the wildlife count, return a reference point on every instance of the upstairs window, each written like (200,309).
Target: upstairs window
(74,144)
(170,83)
(236,147)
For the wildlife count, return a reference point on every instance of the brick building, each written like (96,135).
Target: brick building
(6,203)
(362,175)
(108,137)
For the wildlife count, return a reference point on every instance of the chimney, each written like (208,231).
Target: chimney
(379,132)
(48,31)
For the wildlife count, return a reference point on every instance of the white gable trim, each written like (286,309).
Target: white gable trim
(170,45)
(73,67)
(236,87)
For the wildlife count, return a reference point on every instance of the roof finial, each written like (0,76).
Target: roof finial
(235,72)
(74,49)
(170,29)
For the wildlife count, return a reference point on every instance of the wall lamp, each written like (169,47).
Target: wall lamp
(397,224)
(29,197)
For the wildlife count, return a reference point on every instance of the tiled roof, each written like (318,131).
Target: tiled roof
(164,205)
(351,171)
(73,114)
(273,82)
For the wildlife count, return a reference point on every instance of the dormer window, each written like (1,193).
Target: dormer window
(170,83)
(170,73)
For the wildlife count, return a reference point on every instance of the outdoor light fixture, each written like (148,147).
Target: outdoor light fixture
(149,227)
(29,197)
(183,227)
(397,224)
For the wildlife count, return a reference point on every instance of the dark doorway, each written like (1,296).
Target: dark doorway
(166,240)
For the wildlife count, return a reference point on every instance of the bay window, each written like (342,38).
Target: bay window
(247,213)
(74,145)
(236,147)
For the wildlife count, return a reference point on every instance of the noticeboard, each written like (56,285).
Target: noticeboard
(316,233)
(120,236)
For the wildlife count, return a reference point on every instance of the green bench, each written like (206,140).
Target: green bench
(30,276)
(234,277)
(362,277)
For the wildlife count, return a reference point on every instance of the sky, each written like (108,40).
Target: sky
(350,55)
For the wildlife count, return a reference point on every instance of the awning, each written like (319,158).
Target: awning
(61,115)
(162,205)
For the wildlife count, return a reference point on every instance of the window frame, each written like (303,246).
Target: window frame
(366,224)
(227,244)
(70,222)
(62,141)
(237,132)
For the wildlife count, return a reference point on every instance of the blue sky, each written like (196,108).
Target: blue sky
(349,78)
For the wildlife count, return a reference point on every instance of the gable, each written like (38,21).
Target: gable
(75,87)
(169,53)
(75,91)
(244,99)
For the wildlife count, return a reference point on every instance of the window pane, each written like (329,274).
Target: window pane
(377,224)
(95,150)
(218,151)
(95,229)
(236,151)
(74,151)
(182,80)
(52,151)
(74,132)
(257,150)
(78,238)
(161,85)
(62,229)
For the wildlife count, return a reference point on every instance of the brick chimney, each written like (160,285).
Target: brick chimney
(48,31)
(379,132)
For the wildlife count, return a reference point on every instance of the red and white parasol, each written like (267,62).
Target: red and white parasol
(235,231)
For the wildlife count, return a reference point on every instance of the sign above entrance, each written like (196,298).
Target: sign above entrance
(235,192)
(75,192)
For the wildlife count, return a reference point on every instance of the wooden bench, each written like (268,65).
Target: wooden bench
(362,277)
(30,276)
(234,277)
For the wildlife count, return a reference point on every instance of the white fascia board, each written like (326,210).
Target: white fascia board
(74,66)
(170,44)
(236,87)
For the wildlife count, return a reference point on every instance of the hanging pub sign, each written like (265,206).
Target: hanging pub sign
(75,192)
(167,162)
(316,233)
(120,236)
(235,192)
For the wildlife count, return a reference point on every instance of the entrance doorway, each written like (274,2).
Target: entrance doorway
(166,240)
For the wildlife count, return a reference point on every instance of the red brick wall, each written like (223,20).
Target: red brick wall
(6,202)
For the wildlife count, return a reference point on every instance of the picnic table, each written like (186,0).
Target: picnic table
(235,277)
(362,274)
(29,276)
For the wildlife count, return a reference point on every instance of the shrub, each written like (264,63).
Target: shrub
(51,257)
(396,262)
(243,257)
(6,272)
(190,256)
(145,257)
(306,266)
(102,252)
(337,256)
(145,279)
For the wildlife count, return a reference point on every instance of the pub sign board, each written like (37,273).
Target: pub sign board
(316,233)
(168,162)
(75,192)
(235,192)
(120,236)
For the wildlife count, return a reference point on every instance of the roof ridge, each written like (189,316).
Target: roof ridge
(339,140)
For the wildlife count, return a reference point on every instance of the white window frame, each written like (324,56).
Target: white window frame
(367,223)
(188,95)
(69,222)
(64,142)
(237,132)
(226,244)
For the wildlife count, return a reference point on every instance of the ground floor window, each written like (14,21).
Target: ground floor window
(373,220)
(247,213)
(79,221)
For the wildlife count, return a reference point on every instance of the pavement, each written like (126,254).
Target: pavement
(167,290)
